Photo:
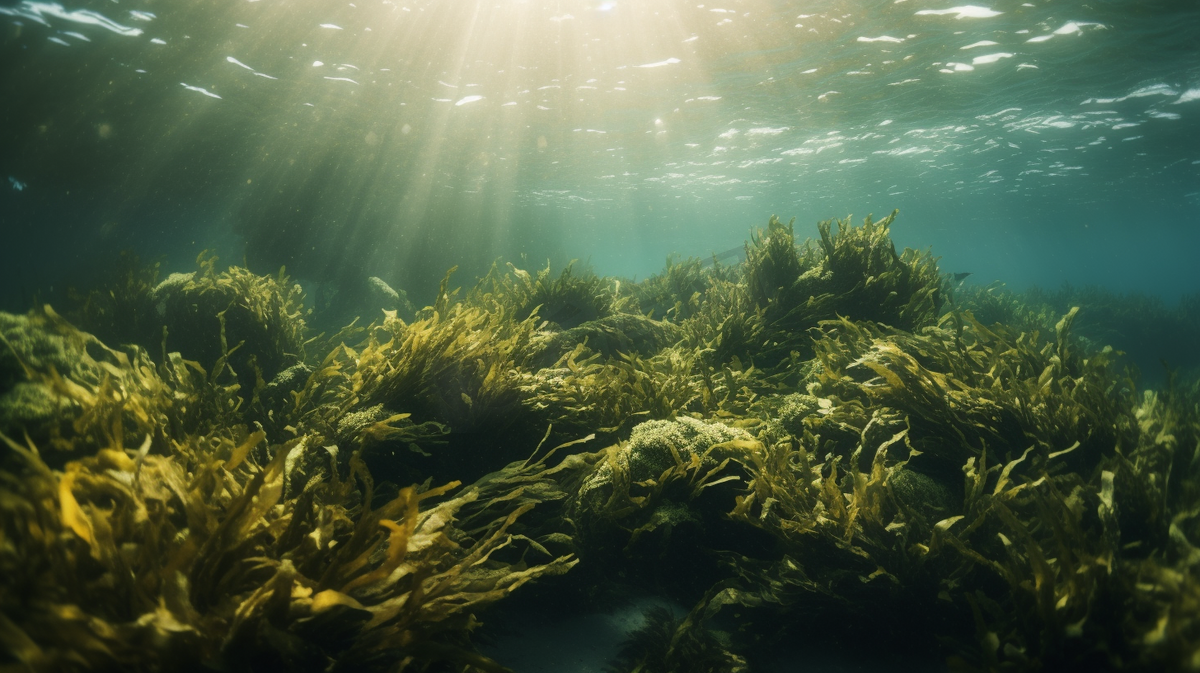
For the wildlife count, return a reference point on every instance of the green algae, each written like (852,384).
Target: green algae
(811,443)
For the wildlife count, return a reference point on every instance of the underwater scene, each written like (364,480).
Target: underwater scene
(599,336)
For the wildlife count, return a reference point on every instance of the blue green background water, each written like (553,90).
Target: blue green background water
(1030,142)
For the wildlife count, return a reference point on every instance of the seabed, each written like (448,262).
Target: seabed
(829,456)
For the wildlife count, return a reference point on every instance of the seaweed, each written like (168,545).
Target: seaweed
(208,315)
(678,291)
(120,310)
(609,337)
(965,387)
(188,558)
(65,389)
(855,272)
(455,364)
(1147,331)
(804,443)
(189,549)
(667,644)
(567,300)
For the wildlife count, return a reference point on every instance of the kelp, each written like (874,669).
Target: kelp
(1146,329)
(1066,525)
(728,326)
(197,561)
(195,552)
(802,446)
(667,644)
(964,387)
(652,510)
(256,324)
(995,304)
(181,538)
(678,291)
(457,364)
(567,300)
(609,336)
(585,392)
(854,272)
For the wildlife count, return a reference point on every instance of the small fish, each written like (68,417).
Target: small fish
(960,277)
(17,185)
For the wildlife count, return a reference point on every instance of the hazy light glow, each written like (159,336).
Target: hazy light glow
(964,12)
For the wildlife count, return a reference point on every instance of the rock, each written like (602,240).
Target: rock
(277,396)
(617,333)
(264,314)
(36,342)
(647,454)
(927,494)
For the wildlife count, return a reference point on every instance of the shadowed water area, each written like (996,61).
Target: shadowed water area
(338,336)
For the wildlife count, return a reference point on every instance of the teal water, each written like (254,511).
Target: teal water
(1030,142)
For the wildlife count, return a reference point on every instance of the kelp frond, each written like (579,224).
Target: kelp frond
(128,559)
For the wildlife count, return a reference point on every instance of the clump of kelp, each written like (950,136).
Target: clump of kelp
(812,445)
(181,538)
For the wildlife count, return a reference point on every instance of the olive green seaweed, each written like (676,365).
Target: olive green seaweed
(825,443)
(196,555)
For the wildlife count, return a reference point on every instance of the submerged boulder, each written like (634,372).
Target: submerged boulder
(651,450)
(26,404)
(610,336)
(253,324)
(62,388)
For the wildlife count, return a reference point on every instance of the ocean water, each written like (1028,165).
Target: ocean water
(1032,143)
(1045,152)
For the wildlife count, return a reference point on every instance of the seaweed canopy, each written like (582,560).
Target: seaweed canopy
(666,644)
(70,392)
(585,392)
(255,324)
(854,272)
(1072,554)
(965,388)
(199,561)
(455,364)
(677,292)
(566,300)
(205,548)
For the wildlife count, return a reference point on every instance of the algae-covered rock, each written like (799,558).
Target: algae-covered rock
(276,398)
(31,408)
(797,407)
(254,324)
(30,341)
(64,389)
(653,447)
(33,344)
(610,336)
(934,496)
(566,300)
(666,643)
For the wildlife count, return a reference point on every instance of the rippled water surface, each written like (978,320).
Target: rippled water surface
(1033,142)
